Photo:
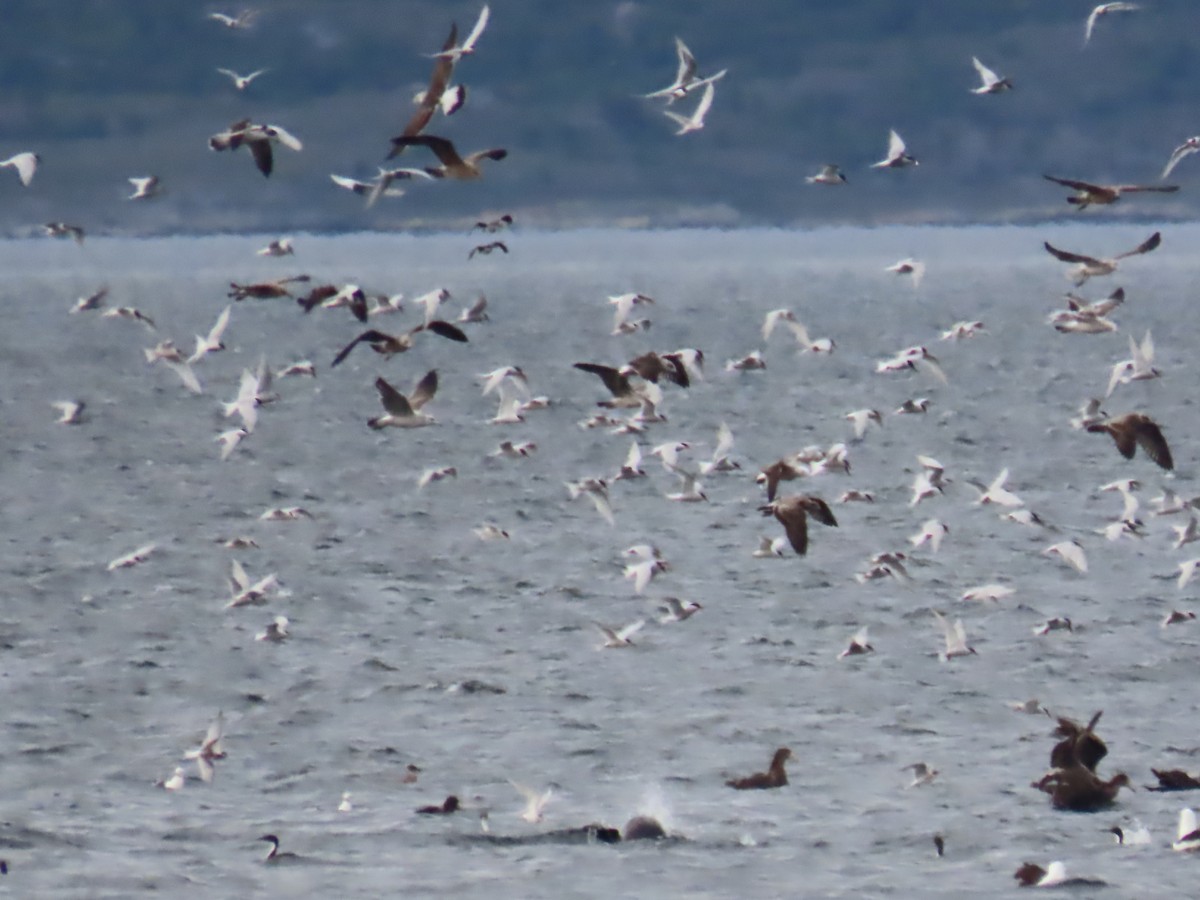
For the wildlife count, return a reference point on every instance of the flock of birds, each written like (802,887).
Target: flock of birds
(638,388)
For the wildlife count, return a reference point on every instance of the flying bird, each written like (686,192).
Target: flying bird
(694,122)
(686,79)
(1187,148)
(25,164)
(467,47)
(401,411)
(1103,10)
(486,249)
(1089,194)
(1088,266)
(991,82)
(258,138)
(244,19)
(388,345)
(793,512)
(241,82)
(897,155)
(452,164)
(1134,430)
(829,174)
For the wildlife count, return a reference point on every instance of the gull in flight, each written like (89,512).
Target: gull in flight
(229,441)
(619,638)
(276,631)
(467,47)
(649,564)
(489,532)
(441,473)
(366,188)
(91,302)
(70,412)
(1134,430)
(859,645)
(1187,533)
(1069,552)
(1058,623)
(285,514)
(130,313)
(913,359)
(1088,194)
(1139,366)
(258,138)
(771,548)
(244,19)
(64,230)
(686,79)
(749,363)
(245,593)
(720,461)
(991,82)
(996,492)
(277,247)
(1187,835)
(909,266)
(486,249)
(793,512)
(210,749)
(955,637)
(145,187)
(930,481)
(677,610)
(829,174)
(1103,10)
(476,313)
(1187,148)
(241,82)
(509,450)
(932,532)
(452,164)
(897,155)
(962,330)
(388,345)
(922,773)
(695,121)
(1088,266)
(401,411)
(25,164)
(535,801)
(253,391)
(805,343)
(1126,488)
(987,593)
(211,343)
(596,490)
(140,555)
(861,419)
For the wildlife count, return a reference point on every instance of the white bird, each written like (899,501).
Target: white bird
(912,407)
(771,548)
(622,637)
(932,532)
(1090,413)
(241,82)
(859,644)
(244,19)
(258,138)
(720,461)
(285,514)
(1126,487)
(677,610)
(1058,623)
(1069,552)
(624,304)
(1187,834)
(985,592)
(897,155)
(535,801)
(130,313)
(641,572)
(962,330)
(1169,503)
(210,749)
(431,301)
(276,631)
(1186,533)
(1187,148)
(277,247)
(92,301)
(489,532)
(497,377)
(922,774)
(365,188)
(909,266)
(245,593)
(1187,570)
(695,121)
(692,490)
(1139,367)
(748,363)
(176,781)
(475,313)
(996,492)
(632,467)
(211,343)
(860,419)
(345,806)
(829,174)
(145,187)
(955,637)
(429,476)
(1102,10)
(686,79)
(229,441)
(140,555)
(70,412)
(510,450)
(401,411)
(26,165)
(251,394)
(596,490)
(467,47)
(991,82)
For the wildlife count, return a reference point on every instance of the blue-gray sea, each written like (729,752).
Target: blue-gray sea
(412,641)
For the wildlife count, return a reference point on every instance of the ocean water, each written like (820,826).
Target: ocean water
(414,642)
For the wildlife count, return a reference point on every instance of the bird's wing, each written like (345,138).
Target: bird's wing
(605,510)
(1188,147)
(1076,185)
(706,102)
(631,629)
(480,24)
(1067,256)
(724,441)
(263,157)
(351,184)
(370,335)
(424,390)
(687,63)
(820,511)
(896,146)
(617,384)
(989,77)
(795,524)
(1136,188)
(222,323)
(1150,438)
(1145,246)
(446,330)
(393,401)
(1091,23)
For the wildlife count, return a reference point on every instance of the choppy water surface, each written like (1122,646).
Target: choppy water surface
(394,602)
